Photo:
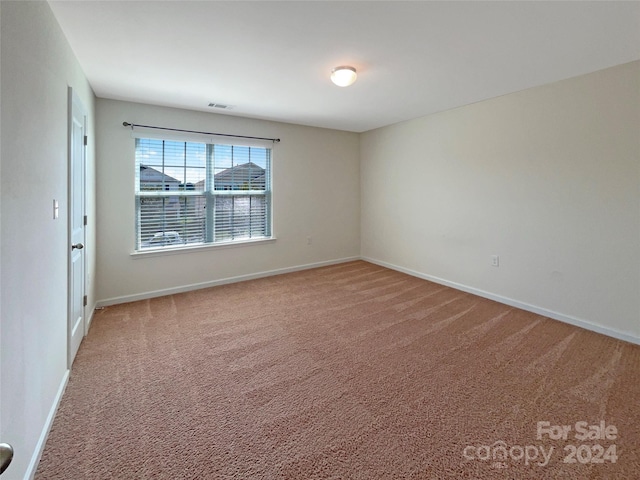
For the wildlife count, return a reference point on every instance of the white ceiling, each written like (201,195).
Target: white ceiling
(272,60)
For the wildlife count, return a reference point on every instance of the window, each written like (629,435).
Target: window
(190,193)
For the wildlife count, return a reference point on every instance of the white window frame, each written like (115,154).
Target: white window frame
(209,194)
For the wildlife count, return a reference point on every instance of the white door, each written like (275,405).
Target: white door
(77,132)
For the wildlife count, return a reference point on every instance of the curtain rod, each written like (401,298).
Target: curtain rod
(132,125)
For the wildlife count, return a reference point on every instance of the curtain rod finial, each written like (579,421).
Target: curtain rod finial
(126,124)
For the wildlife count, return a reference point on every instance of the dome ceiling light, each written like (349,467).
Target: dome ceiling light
(343,76)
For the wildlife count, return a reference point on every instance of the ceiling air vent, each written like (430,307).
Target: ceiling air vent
(221,106)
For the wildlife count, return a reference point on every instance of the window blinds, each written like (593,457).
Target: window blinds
(197,193)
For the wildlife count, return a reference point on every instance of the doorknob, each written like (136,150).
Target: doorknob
(79,246)
(6,455)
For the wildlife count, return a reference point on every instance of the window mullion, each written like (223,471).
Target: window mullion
(209,198)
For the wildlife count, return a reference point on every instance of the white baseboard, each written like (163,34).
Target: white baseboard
(37,454)
(514,303)
(90,319)
(481,293)
(197,286)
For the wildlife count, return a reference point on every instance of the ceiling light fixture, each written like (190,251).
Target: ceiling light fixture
(343,76)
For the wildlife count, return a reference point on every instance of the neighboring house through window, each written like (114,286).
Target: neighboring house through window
(190,193)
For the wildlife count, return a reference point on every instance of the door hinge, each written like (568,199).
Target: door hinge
(84,301)
(85,140)
(85,220)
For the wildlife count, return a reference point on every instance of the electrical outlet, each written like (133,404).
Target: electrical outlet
(495,261)
(309,240)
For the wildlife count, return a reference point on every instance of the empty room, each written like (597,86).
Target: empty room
(319,240)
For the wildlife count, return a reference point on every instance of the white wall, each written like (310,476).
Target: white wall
(37,67)
(316,193)
(547,178)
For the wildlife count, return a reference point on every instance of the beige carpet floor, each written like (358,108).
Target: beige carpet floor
(351,371)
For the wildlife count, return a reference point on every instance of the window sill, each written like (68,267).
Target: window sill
(162,251)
